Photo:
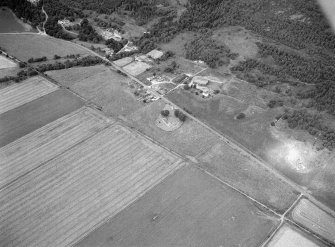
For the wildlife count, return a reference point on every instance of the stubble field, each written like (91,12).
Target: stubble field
(188,208)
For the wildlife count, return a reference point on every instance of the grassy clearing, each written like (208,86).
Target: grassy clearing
(190,139)
(25,46)
(188,208)
(238,40)
(177,45)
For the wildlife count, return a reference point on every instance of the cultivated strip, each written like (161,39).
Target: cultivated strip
(60,202)
(24,92)
(312,217)
(38,147)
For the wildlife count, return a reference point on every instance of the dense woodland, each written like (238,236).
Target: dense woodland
(301,119)
(206,49)
(87,32)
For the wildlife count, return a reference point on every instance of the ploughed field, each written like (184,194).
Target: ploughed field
(66,194)
(20,94)
(35,114)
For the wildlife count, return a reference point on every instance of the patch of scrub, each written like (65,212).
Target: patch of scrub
(170,122)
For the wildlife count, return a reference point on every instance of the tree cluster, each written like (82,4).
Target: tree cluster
(322,95)
(87,32)
(84,62)
(313,123)
(37,60)
(207,50)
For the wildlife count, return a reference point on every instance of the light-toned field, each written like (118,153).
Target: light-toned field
(288,237)
(25,46)
(136,68)
(6,63)
(238,39)
(9,23)
(190,139)
(26,118)
(68,77)
(123,61)
(69,196)
(310,216)
(40,146)
(177,44)
(24,92)
(155,54)
(189,208)
(104,87)
(248,176)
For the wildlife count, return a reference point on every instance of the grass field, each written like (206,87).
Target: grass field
(102,86)
(188,208)
(9,23)
(6,63)
(69,77)
(43,144)
(323,186)
(220,113)
(288,236)
(25,46)
(310,216)
(248,176)
(123,61)
(61,201)
(136,68)
(190,139)
(35,114)
(24,92)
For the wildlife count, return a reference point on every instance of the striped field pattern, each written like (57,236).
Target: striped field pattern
(36,148)
(315,219)
(68,197)
(24,92)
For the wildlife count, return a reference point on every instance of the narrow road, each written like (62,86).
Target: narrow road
(46,19)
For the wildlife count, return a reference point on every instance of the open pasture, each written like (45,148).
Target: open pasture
(38,147)
(247,175)
(136,68)
(68,77)
(323,186)
(6,63)
(35,114)
(189,208)
(189,139)
(220,113)
(25,46)
(60,202)
(24,92)
(102,86)
(123,61)
(313,218)
(288,236)
(9,23)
